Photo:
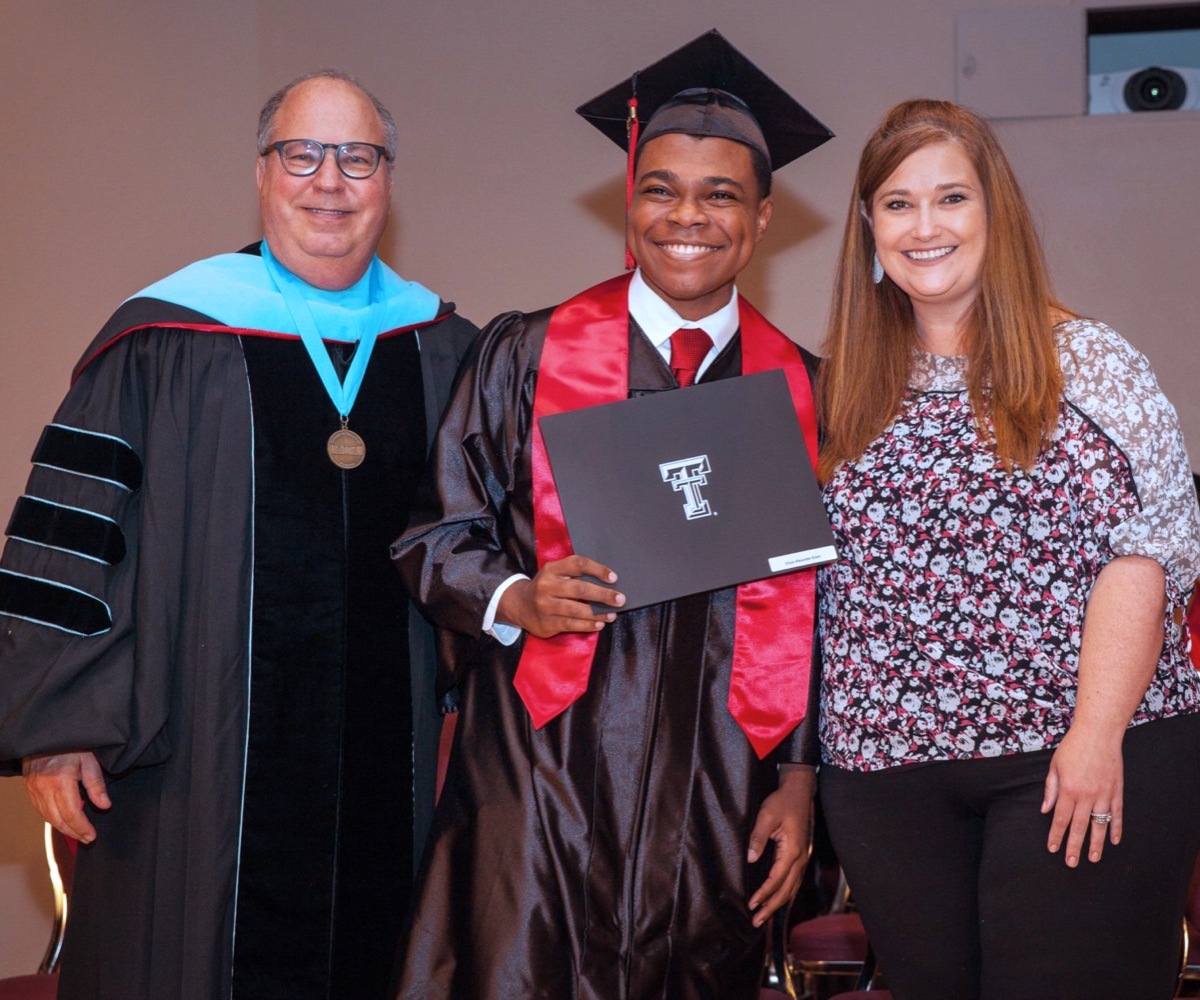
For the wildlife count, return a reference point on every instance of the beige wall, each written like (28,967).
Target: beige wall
(129,128)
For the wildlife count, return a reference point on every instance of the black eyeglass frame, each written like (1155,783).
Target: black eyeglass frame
(338,148)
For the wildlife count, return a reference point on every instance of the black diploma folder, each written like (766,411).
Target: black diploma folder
(690,490)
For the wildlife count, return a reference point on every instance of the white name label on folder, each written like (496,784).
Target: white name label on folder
(798,560)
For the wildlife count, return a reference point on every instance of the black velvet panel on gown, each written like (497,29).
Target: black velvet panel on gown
(326,856)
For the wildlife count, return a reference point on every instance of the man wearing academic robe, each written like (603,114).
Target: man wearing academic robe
(199,623)
(612,842)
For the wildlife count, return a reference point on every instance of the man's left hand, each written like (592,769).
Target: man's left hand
(786,819)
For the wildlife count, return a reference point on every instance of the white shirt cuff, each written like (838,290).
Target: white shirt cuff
(506,635)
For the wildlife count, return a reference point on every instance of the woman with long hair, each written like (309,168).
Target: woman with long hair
(1010,737)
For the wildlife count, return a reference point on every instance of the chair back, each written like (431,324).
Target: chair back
(60,858)
(1191,910)
(43,985)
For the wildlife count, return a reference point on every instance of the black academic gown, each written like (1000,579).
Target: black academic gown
(604,856)
(251,699)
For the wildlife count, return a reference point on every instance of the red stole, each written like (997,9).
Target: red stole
(585,362)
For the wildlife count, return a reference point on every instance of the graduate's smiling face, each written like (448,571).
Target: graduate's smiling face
(695,219)
(325,227)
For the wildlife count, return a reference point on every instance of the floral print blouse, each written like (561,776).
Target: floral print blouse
(951,622)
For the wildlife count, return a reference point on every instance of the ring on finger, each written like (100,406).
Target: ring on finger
(1102,819)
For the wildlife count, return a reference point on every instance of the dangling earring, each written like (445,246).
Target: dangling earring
(877,270)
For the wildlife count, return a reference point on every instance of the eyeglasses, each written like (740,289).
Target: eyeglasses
(303,157)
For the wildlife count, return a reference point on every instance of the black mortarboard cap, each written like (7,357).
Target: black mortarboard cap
(691,74)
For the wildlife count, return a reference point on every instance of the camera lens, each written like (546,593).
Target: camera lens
(1155,89)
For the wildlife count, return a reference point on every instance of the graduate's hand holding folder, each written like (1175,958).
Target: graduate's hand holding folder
(557,599)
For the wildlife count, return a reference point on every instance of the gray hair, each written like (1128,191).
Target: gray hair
(266,117)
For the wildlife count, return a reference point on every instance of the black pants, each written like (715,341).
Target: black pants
(962,901)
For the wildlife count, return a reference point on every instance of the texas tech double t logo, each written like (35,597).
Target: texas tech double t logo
(687,475)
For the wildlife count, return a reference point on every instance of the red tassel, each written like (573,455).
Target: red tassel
(631,130)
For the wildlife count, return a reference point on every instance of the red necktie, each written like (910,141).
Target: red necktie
(689,348)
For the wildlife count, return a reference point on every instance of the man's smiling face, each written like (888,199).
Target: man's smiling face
(695,219)
(324,227)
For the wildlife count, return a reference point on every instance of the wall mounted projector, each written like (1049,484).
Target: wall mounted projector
(1154,88)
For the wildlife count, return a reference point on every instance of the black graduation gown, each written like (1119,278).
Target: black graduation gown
(251,699)
(604,856)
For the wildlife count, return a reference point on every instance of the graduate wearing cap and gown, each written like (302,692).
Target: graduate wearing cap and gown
(196,593)
(594,835)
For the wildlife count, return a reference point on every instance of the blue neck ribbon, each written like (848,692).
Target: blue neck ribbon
(364,329)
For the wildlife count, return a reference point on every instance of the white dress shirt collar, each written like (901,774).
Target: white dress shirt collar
(658,320)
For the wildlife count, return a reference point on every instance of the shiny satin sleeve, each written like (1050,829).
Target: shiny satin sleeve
(472,526)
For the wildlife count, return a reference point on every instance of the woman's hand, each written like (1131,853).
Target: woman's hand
(1122,640)
(1085,781)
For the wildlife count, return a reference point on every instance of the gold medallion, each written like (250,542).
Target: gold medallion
(346,449)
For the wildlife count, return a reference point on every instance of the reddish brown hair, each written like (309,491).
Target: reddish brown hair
(1014,380)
